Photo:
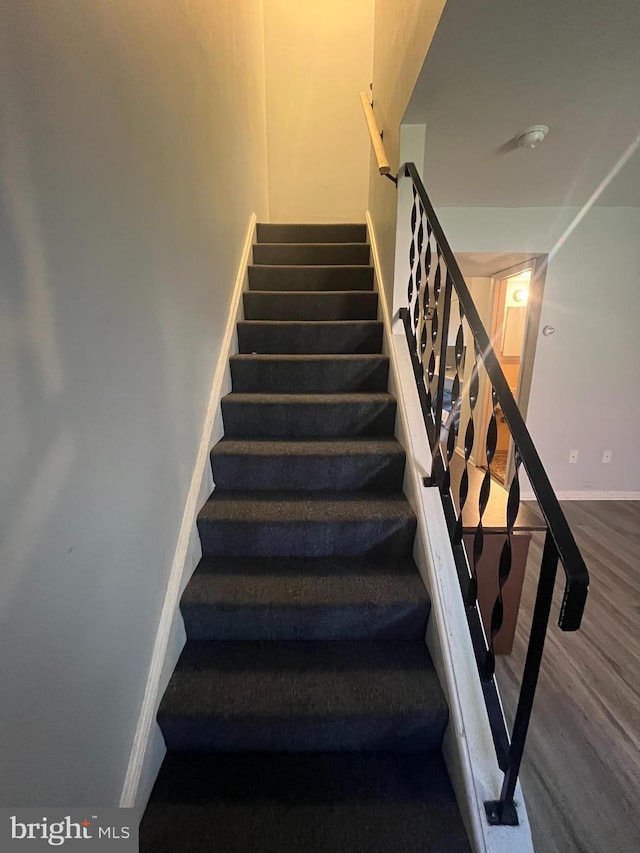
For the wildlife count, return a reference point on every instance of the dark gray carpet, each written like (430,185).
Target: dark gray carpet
(305,713)
(308,415)
(311,305)
(270,232)
(288,598)
(308,464)
(311,253)
(303,697)
(310,336)
(312,524)
(302,277)
(317,374)
(304,803)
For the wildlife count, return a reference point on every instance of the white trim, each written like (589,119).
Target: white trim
(400,362)
(138,757)
(591,495)
(468,747)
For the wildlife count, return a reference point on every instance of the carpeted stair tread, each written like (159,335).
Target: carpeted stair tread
(315,802)
(311,253)
(322,506)
(273,232)
(308,447)
(318,415)
(310,277)
(305,599)
(311,696)
(310,336)
(317,374)
(310,305)
(304,582)
(306,524)
(309,464)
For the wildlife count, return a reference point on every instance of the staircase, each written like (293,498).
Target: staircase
(305,713)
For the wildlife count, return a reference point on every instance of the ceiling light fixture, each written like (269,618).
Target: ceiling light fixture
(532,136)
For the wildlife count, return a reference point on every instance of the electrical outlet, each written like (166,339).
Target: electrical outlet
(606,457)
(573,457)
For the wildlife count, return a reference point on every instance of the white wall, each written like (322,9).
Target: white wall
(583,393)
(133,155)
(319,57)
(402,35)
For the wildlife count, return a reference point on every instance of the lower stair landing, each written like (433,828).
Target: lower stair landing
(369,802)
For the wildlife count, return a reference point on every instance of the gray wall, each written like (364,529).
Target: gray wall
(133,153)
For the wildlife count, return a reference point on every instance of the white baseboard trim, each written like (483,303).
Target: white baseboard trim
(468,746)
(141,755)
(584,495)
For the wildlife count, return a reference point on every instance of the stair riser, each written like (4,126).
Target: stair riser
(288,622)
(252,471)
(308,419)
(338,233)
(310,338)
(374,537)
(356,305)
(410,733)
(311,253)
(299,278)
(314,377)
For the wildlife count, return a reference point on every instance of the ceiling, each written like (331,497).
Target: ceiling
(489,264)
(496,67)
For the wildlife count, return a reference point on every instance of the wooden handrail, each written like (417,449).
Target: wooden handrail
(376,140)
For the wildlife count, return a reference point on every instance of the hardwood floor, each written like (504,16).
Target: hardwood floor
(581,770)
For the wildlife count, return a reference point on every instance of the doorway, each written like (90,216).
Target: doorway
(511,297)
(507,290)
(516,305)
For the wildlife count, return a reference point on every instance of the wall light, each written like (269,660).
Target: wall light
(520,295)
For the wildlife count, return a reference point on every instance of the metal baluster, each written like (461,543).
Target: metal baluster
(483,500)
(453,420)
(425,314)
(444,336)
(503,811)
(431,371)
(411,286)
(469,436)
(419,276)
(432,319)
(505,562)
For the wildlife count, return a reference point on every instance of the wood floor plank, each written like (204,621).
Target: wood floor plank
(581,770)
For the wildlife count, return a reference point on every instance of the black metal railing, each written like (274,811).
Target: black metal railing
(442,324)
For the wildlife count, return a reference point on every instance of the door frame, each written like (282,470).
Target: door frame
(538,266)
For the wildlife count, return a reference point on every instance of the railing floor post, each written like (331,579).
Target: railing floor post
(502,811)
